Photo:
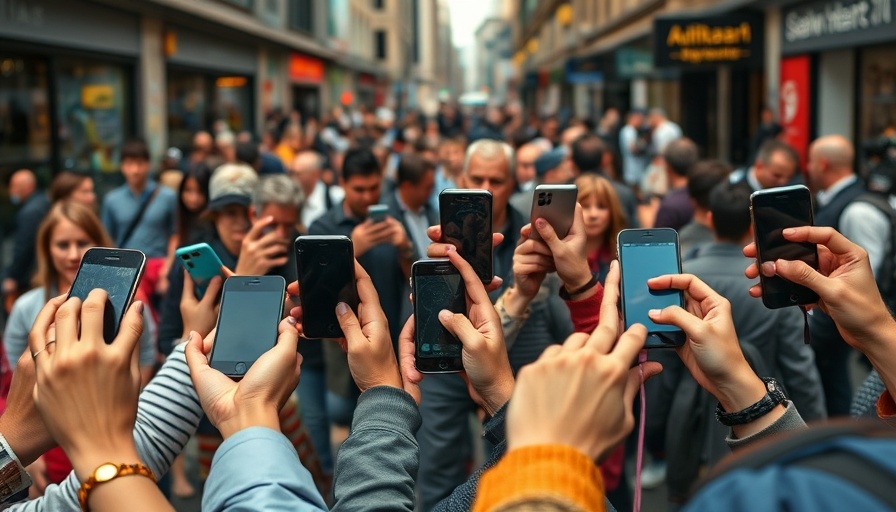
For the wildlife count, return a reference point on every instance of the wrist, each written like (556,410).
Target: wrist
(28,444)
(85,461)
(577,279)
(251,416)
(497,395)
(515,302)
(744,389)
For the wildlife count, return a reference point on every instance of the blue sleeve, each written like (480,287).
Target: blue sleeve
(23,251)
(109,219)
(258,469)
(18,327)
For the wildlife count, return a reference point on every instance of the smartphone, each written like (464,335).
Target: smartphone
(326,268)
(555,204)
(251,309)
(466,219)
(772,211)
(437,285)
(202,263)
(118,271)
(645,254)
(377,212)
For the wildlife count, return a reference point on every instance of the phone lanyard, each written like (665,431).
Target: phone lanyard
(642,358)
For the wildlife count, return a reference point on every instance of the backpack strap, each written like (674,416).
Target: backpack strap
(861,472)
(138,217)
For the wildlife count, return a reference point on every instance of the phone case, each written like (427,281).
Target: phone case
(201,262)
(555,204)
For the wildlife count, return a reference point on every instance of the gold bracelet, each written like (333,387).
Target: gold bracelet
(106,473)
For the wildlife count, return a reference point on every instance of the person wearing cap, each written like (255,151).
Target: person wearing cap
(550,170)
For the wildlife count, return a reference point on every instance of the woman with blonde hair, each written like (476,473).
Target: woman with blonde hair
(68,230)
(604,220)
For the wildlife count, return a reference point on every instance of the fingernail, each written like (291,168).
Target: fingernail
(451,248)
(139,306)
(768,268)
(341,308)
(541,223)
(445,314)
(290,320)
(789,231)
(653,313)
(189,337)
(614,264)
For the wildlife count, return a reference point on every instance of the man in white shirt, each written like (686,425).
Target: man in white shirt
(306,170)
(663,132)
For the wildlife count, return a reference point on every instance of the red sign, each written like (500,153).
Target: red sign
(795,102)
(305,69)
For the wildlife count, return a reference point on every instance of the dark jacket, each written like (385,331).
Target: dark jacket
(28,218)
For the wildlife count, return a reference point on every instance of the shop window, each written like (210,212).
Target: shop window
(93,112)
(878,94)
(233,102)
(187,107)
(301,15)
(24,112)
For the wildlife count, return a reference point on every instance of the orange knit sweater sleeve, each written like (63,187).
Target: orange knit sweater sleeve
(544,477)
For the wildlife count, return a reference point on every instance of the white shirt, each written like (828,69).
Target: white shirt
(663,134)
(861,222)
(316,203)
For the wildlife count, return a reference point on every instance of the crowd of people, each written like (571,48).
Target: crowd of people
(548,376)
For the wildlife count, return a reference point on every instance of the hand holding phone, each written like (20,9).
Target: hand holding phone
(466,221)
(643,255)
(201,263)
(377,212)
(774,210)
(260,252)
(437,286)
(555,204)
(263,389)
(118,272)
(325,266)
(251,308)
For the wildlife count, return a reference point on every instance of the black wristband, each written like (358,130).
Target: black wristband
(772,398)
(566,295)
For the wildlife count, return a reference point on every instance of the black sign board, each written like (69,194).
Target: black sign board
(685,42)
(830,24)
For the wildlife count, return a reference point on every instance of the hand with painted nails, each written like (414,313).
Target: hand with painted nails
(568,255)
(256,400)
(87,389)
(580,394)
(484,353)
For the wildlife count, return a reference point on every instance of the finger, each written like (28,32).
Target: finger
(349,323)
(828,237)
(288,338)
(525,233)
(496,284)
(460,326)
(475,289)
(407,353)
(93,314)
(755,291)
(547,233)
(801,273)
(674,315)
(434,233)
(212,291)
(630,343)
(226,272)
(188,294)
(752,271)
(497,239)
(750,250)
(437,250)
(293,288)
(40,329)
(67,323)
(578,221)
(196,354)
(697,289)
(131,329)
(575,341)
(609,312)
(366,291)
(256,230)
(633,384)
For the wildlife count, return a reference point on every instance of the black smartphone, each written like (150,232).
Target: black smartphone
(437,285)
(772,211)
(118,271)
(326,269)
(466,219)
(645,254)
(555,204)
(251,309)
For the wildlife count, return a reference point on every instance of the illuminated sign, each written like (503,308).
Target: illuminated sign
(692,42)
(829,24)
(305,69)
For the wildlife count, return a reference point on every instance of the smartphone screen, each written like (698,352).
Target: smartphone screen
(466,219)
(251,308)
(326,270)
(116,271)
(645,254)
(773,211)
(437,286)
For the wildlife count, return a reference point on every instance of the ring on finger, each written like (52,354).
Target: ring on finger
(34,355)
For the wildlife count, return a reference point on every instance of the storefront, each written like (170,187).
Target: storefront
(67,99)
(210,82)
(837,59)
(306,74)
(720,60)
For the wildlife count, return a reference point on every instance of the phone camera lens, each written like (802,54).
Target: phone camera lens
(190,264)
(185,257)
(195,253)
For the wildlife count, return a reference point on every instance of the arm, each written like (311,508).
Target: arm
(171,325)
(377,464)
(796,362)
(147,349)
(790,420)
(281,483)
(15,337)
(23,247)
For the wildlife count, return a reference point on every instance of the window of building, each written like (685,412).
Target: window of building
(379,44)
(24,111)
(379,4)
(196,101)
(93,110)
(301,15)
(877,93)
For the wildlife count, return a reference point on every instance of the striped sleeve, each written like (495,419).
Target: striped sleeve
(168,413)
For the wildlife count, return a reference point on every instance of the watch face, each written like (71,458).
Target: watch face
(105,472)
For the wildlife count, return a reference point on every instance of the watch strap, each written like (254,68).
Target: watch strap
(122,470)
(568,295)
(13,477)
(773,397)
